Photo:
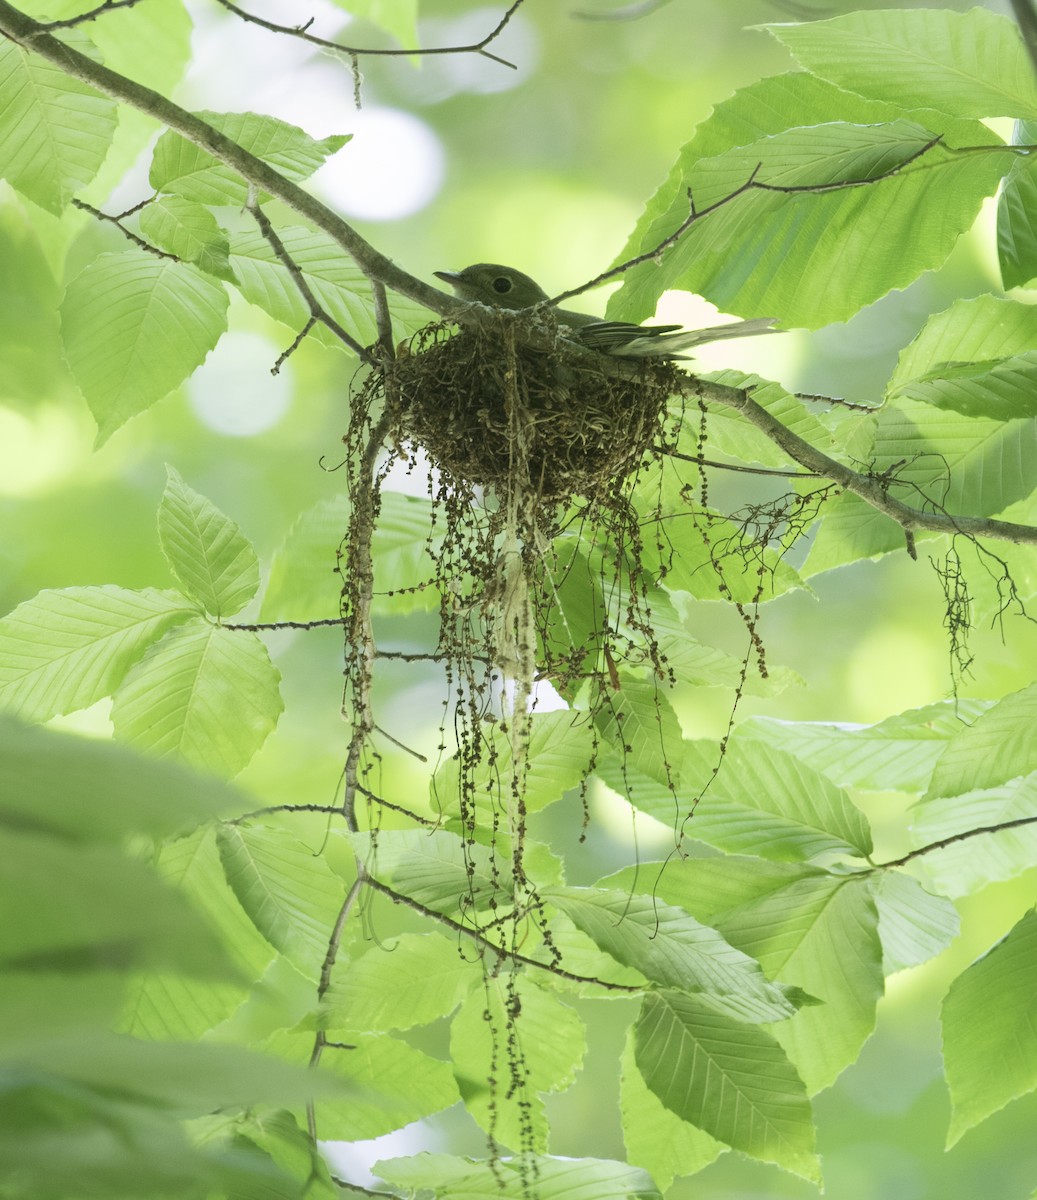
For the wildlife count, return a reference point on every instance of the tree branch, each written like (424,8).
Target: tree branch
(871,488)
(302,32)
(33,36)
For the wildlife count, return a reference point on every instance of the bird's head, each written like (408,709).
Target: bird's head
(491,283)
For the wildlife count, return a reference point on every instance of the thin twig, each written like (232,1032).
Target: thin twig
(331,809)
(334,941)
(723,466)
(955,837)
(107,7)
(261,626)
(317,310)
(751,184)
(512,956)
(126,233)
(302,32)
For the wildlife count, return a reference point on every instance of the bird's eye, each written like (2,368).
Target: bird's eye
(501,285)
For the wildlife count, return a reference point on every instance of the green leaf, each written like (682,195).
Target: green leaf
(123,1142)
(708,554)
(189,231)
(656,1138)
(729,1079)
(731,433)
(970,64)
(397,17)
(209,555)
(529,1041)
(977,330)
(765,801)
(281,1137)
(1001,389)
(672,949)
(808,927)
(304,583)
(205,694)
(821,934)
(30,345)
(976,358)
(288,890)
(812,258)
(641,725)
(394,1085)
(171,1007)
(999,746)
(556,1178)
(65,650)
(54,130)
(135,326)
(988,1022)
(897,754)
(696,663)
(93,791)
(914,925)
(151,44)
(973,863)
(88,906)
(341,288)
(966,465)
(180,166)
(1016,209)
(413,980)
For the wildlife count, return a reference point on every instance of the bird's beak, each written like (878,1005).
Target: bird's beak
(451,277)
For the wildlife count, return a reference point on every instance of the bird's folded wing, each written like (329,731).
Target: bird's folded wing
(609,336)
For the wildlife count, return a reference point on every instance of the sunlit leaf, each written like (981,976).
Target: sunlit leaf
(674,950)
(1016,209)
(207,552)
(54,130)
(204,694)
(810,258)
(556,1178)
(530,1041)
(988,1018)
(655,1137)
(135,326)
(185,168)
(188,230)
(290,893)
(728,1079)
(63,650)
(970,64)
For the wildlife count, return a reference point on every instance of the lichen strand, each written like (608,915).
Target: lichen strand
(581,430)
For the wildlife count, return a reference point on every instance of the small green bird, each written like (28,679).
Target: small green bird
(504,287)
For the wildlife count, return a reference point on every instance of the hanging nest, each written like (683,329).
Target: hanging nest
(495,413)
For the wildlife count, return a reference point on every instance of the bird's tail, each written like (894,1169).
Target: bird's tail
(688,338)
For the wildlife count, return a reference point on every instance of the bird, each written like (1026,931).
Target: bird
(504,287)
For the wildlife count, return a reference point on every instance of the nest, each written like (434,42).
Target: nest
(491,412)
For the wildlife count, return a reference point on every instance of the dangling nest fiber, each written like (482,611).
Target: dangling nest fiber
(491,412)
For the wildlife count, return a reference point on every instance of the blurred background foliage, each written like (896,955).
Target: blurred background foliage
(457,159)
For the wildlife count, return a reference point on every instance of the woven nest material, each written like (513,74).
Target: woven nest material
(492,414)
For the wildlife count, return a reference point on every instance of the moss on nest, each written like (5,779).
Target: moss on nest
(490,412)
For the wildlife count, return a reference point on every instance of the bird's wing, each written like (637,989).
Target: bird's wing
(609,337)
